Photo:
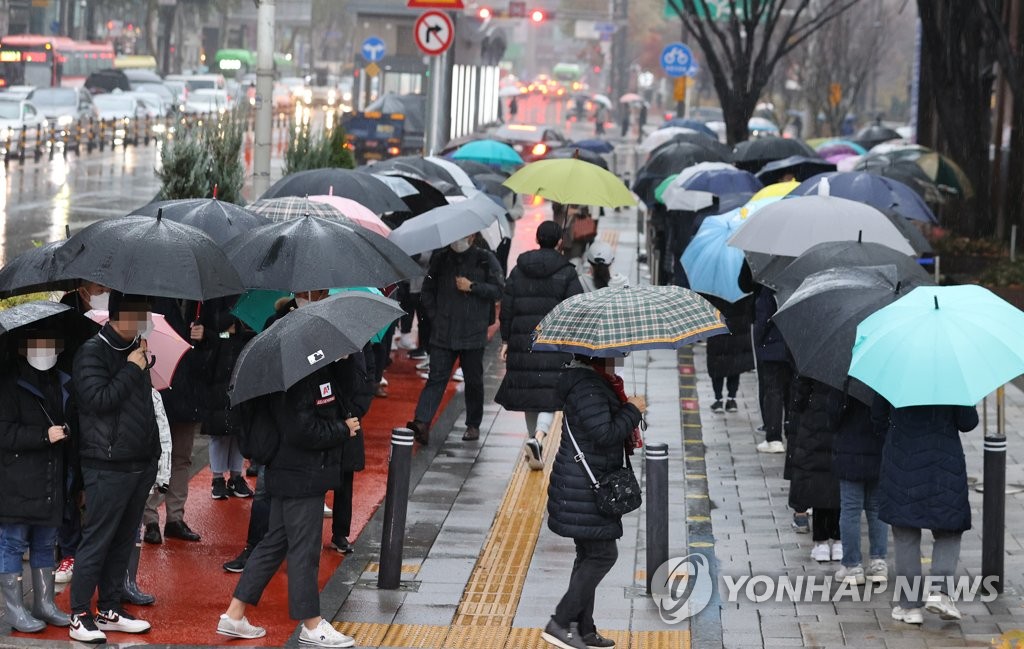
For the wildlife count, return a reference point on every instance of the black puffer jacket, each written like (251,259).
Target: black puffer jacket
(32,470)
(768,343)
(541,279)
(857,451)
(731,354)
(220,351)
(460,320)
(309,419)
(115,405)
(357,386)
(811,431)
(186,400)
(601,426)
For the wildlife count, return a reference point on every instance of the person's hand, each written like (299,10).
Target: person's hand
(503,352)
(196,333)
(639,402)
(139,356)
(56,434)
(353,426)
(463,284)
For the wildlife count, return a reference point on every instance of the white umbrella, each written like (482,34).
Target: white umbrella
(442,225)
(661,136)
(400,186)
(677,198)
(603,100)
(463,180)
(509,91)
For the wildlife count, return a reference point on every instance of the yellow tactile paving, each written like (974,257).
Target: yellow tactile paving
(407,568)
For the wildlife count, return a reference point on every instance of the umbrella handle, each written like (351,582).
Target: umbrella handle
(151,362)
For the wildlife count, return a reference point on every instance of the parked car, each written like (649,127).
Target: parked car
(152,103)
(16,114)
(530,141)
(121,108)
(63,106)
(180,92)
(206,100)
(167,97)
(18,92)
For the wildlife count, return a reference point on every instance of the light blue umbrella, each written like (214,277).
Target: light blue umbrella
(711,264)
(940,345)
(489,152)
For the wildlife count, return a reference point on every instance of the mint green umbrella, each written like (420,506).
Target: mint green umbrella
(940,345)
(255,306)
(659,191)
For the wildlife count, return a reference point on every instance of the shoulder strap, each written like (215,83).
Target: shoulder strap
(580,458)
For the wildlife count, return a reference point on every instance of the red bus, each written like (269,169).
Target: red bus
(47,61)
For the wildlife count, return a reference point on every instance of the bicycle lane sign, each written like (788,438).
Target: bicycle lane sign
(677,60)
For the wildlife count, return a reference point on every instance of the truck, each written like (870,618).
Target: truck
(391,126)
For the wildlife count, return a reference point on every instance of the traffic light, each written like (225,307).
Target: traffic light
(538,16)
(484,13)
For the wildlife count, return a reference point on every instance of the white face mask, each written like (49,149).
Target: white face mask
(301,301)
(145,329)
(43,358)
(100,302)
(462,245)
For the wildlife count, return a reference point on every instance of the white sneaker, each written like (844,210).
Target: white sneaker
(120,621)
(909,615)
(407,341)
(327,511)
(943,606)
(771,447)
(64,571)
(239,628)
(423,375)
(820,552)
(324,635)
(383,382)
(458,376)
(851,574)
(837,551)
(423,365)
(877,571)
(83,628)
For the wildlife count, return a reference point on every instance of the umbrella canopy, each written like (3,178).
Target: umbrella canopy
(222,221)
(792,226)
(149,256)
(311,253)
(819,322)
(835,146)
(360,186)
(572,182)
(799,167)
(509,91)
(307,340)
(754,154)
(913,177)
(416,167)
(672,158)
(581,154)
(165,346)
(630,98)
(603,100)
(355,212)
(255,306)
(691,124)
(697,186)
(663,135)
(721,151)
(34,270)
(461,178)
(938,168)
(776,191)
(421,196)
(29,313)
(488,152)
(597,146)
(441,226)
(474,168)
(711,265)
(940,345)
(287,208)
(757,125)
(491,184)
(881,193)
(875,134)
(615,321)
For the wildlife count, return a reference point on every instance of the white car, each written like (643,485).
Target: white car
(207,101)
(18,113)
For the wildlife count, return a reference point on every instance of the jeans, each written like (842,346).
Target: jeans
(773,381)
(225,456)
(538,422)
(825,525)
(341,522)
(945,555)
(294,533)
(183,437)
(442,361)
(594,559)
(732,384)
(16,538)
(857,497)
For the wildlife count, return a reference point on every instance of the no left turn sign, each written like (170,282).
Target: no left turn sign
(434,32)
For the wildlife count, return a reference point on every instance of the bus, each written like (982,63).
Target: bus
(135,62)
(235,63)
(48,61)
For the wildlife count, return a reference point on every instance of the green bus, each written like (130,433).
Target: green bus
(235,63)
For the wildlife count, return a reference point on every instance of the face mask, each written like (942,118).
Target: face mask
(301,302)
(100,302)
(42,359)
(462,245)
(146,328)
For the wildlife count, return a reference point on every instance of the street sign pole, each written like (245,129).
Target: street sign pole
(439,100)
(264,95)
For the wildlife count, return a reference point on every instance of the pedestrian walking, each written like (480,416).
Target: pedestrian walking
(625,120)
(312,429)
(459,295)
(730,355)
(513,108)
(774,373)
(598,273)
(579,229)
(35,426)
(413,307)
(540,280)
(602,421)
(641,122)
(600,115)
(119,450)
(923,486)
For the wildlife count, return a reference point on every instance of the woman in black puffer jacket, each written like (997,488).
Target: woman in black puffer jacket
(602,422)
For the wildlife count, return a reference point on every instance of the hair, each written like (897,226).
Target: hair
(549,234)
(602,274)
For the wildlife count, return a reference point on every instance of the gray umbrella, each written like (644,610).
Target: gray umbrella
(34,270)
(308,339)
(443,225)
(28,313)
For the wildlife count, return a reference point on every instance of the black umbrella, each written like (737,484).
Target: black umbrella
(875,134)
(580,154)
(911,233)
(422,167)
(670,159)
(701,140)
(311,253)
(752,155)
(308,339)
(907,173)
(149,256)
(492,184)
(764,266)
(474,168)
(34,270)
(424,197)
(360,186)
(222,221)
(799,166)
(819,321)
(29,313)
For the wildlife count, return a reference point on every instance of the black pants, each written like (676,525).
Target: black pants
(341,523)
(825,524)
(442,361)
(773,381)
(594,559)
(732,384)
(294,534)
(115,501)
(69,534)
(410,303)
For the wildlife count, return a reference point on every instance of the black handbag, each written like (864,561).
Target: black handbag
(618,492)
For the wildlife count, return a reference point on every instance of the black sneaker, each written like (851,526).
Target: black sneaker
(220,489)
(252,471)
(238,563)
(342,545)
(717,407)
(597,641)
(83,629)
(418,353)
(239,488)
(563,638)
(730,406)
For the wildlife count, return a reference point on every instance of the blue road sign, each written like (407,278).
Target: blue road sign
(373,49)
(677,60)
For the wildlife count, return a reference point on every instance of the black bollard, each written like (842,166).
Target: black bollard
(993,525)
(396,504)
(657,507)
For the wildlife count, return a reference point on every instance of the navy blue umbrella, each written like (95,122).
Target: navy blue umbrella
(691,124)
(880,192)
(798,166)
(597,146)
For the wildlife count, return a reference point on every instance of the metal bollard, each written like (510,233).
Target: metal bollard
(396,504)
(103,135)
(38,152)
(993,525)
(22,143)
(656,456)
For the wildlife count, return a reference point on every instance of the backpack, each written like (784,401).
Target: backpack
(258,435)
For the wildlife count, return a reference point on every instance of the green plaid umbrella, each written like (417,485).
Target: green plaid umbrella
(614,321)
(294,207)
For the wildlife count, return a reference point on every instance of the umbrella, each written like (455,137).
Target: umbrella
(663,135)
(443,225)
(29,313)
(256,305)
(881,193)
(420,196)
(691,124)
(492,184)
(461,178)
(287,208)
(775,191)
(833,146)
(721,151)
(757,125)
(938,168)
(819,322)
(913,177)
(696,187)
(165,346)
(222,221)
(604,101)
(841,254)
(659,191)
(572,182)
(615,321)
(940,345)
(667,160)
(307,340)
(416,167)
(597,146)
(875,134)
(792,226)
(754,154)
(509,91)
(149,256)
(630,98)
(912,233)
(311,253)
(798,166)
(712,266)
(360,186)
(581,154)
(34,270)
(488,152)
(355,212)
(474,169)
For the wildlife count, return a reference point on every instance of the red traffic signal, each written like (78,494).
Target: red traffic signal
(538,15)
(484,13)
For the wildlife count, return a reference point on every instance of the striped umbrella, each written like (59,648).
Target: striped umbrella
(614,321)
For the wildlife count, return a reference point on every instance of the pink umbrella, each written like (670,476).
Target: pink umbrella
(165,346)
(357,212)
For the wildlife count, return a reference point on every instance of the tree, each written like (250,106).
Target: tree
(308,149)
(202,162)
(741,50)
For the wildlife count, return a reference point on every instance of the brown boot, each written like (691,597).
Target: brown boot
(420,432)
(472,434)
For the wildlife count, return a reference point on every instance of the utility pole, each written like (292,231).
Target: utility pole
(264,96)
(620,45)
